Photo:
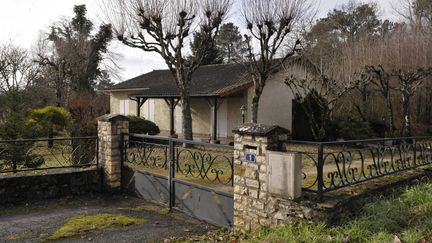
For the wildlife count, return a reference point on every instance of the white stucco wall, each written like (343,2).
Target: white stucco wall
(157,111)
(275,107)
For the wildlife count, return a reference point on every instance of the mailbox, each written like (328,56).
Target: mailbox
(284,174)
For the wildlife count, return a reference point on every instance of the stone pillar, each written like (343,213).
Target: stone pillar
(256,203)
(110,130)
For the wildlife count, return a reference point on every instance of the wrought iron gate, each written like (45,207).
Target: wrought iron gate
(193,177)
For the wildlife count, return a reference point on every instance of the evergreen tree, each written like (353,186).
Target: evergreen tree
(229,46)
(74,61)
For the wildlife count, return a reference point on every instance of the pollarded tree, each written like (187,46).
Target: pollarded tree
(409,81)
(269,25)
(381,79)
(318,97)
(164,27)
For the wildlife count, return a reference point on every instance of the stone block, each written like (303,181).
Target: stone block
(240,190)
(251,173)
(252,166)
(258,205)
(253,193)
(262,177)
(239,180)
(262,195)
(252,183)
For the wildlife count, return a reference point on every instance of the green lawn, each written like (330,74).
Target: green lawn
(404,214)
(38,155)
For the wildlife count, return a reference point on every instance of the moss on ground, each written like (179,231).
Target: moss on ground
(17,236)
(148,208)
(84,224)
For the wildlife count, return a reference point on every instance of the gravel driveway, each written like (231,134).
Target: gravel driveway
(31,222)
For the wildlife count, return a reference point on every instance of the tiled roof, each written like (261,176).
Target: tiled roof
(211,80)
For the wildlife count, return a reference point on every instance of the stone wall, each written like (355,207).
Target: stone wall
(111,128)
(62,183)
(254,204)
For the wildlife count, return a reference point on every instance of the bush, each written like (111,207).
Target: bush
(50,119)
(379,128)
(142,126)
(349,129)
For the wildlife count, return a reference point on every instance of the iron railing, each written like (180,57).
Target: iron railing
(328,166)
(47,154)
(210,163)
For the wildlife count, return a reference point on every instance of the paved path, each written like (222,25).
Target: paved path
(27,223)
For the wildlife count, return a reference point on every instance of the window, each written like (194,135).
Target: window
(124,107)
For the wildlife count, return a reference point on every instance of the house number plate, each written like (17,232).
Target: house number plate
(250,158)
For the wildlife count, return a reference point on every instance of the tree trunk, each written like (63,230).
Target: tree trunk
(58,98)
(406,113)
(390,116)
(255,100)
(50,138)
(255,105)
(187,116)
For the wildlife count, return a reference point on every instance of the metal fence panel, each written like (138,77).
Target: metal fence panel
(204,203)
(152,165)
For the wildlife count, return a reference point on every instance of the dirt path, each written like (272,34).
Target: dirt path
(28,223)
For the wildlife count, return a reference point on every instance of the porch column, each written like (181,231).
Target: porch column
(172,103)
(214,104)
(140,102)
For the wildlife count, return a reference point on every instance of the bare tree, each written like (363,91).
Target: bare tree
(164,27)
(380,78)
(318,98)
(417,13)
(17,72)
(409,81)
(55,68)
(269,25)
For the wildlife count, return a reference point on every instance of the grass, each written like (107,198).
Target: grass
(60,155)
(83,224)
(404,214)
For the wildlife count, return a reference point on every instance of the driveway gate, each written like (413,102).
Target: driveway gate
(192,177)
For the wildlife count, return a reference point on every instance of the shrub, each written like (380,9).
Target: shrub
(142,126)
(379,128)
(50,119)
(14,126)
(311,117)
(349,129)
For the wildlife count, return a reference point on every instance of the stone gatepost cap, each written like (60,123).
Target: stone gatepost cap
(260,129)
(112,117)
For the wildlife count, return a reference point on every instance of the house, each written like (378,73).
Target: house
(217,94)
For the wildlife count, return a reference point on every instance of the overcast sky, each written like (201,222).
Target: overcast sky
(21,21)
